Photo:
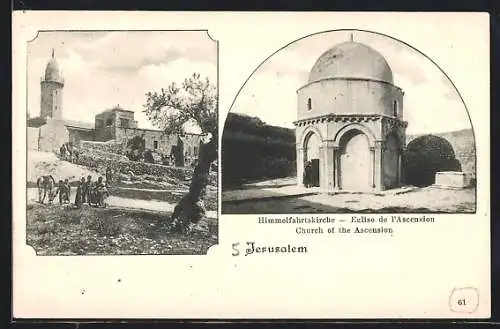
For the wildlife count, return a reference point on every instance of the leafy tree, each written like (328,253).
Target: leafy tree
(148,156)
(135,148)
(171,109)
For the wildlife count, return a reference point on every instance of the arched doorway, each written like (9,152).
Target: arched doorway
(426,155)
(311,158)
(355,169)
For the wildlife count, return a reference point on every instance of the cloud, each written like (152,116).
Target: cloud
(129,51)
(113,68)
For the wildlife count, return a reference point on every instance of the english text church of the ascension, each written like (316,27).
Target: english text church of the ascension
(350,121)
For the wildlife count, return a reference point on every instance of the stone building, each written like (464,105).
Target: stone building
(119,125)
(49,131)
(350,121)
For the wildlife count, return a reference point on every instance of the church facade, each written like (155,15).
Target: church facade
(350,129)
(50,130)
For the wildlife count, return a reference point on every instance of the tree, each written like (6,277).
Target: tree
(148,156)
(135,148)
(171,109)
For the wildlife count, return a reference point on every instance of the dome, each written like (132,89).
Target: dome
(351,60)
(52,69)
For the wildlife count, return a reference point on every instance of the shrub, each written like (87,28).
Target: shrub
(148,157)
(104,227)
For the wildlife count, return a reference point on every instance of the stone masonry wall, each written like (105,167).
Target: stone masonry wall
(109,146)
(463,144)
(32,138)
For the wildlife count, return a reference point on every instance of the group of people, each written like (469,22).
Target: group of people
(87,191)
(68,152)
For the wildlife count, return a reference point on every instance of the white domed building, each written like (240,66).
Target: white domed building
(350,121)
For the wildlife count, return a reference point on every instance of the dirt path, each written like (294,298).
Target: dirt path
(128,203)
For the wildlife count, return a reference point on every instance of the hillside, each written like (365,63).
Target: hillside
(246,127)
(254,150)
(46,163)
(126,173)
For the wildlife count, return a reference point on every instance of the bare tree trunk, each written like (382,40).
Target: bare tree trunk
(191,209)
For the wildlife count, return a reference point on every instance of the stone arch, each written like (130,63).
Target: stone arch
(311,143)
(355,165)
(427,155)
(355,126)
(306,134)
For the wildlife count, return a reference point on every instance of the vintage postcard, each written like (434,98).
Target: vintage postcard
(184,165)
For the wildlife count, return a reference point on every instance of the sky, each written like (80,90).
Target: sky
(105,69)
(431,103)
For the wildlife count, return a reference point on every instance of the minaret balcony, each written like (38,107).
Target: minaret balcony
(59,80)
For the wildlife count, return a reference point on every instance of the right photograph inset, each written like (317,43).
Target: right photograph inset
(348,121)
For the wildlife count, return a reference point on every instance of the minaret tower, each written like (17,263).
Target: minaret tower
(52,85)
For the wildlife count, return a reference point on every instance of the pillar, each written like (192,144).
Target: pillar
(398,169)
(378,160)
(300,166)
(322,166)
(372,167)
(334,168)
(402,167)
(329,166)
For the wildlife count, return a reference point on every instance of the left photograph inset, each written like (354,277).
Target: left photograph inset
(122,143)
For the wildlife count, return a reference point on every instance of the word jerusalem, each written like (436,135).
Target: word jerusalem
(252,248)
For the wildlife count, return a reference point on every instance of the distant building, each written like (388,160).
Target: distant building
(350,125)
(49,131)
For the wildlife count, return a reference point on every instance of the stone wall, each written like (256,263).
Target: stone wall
(463,145)
(52,136)
(160,142)
(109,146)
(345,96)
(32,138)
(100,160)
(77,136)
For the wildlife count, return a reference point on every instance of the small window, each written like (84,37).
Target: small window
(395,108)
(309,104)
(124,123)
(155,145)
(109,122)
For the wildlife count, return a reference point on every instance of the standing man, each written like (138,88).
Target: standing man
(62,151)
(108,175)
(79,193)
(307,174)
(88,188)
(61,190)
(67,190)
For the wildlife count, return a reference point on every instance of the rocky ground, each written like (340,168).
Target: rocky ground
(281,197)
(63,230)
(136,220)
